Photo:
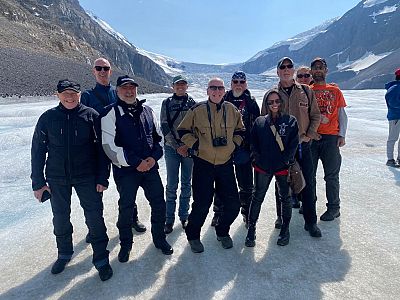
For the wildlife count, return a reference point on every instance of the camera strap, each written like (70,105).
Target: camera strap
(223,116)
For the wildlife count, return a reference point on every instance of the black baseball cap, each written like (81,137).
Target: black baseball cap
(126,79)
(318,59)
(66,84)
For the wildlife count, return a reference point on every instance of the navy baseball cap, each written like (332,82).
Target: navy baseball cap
(126,79)
(66,84)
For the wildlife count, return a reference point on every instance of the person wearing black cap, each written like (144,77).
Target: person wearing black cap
(299,100)
(240,96)
(331,136)
(131,142)
(66,135)
(173,109)
(99,97)
(392,97)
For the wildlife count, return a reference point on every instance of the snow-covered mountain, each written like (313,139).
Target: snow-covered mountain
(361,47)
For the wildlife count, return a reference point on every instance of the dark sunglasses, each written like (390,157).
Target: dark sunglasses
(283,67)
(271,102)
(99,68)
(303,75)
(214,87)
(239,81)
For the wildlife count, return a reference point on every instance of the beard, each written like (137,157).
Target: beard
(319,77)
(237,94)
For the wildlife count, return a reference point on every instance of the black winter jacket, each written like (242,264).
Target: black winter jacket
(249,110)
(265,150)
(69,140)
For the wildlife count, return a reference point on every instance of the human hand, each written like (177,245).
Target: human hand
(39,193)
(183,150)
(150,162)
(100,188)
(143,166)
(341,141)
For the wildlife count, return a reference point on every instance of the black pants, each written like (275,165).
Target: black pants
(205,177)
(262,182)
(244,177)
(91,202)
(328,152)
(127,186)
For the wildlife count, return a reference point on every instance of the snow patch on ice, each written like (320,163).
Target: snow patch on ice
(368,59)
(370,3)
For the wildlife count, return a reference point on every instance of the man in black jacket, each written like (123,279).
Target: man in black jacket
(240,96)
(66,134)
(131,142)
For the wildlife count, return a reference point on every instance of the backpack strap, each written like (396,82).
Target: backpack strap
(308,98)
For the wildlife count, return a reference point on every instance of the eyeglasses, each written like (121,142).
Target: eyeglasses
(239,81)
(283,67)
(99,68)
(215,87)
(272,102)
(303,75)
(318,67)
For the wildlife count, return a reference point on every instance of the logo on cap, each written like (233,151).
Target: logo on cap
(126,79)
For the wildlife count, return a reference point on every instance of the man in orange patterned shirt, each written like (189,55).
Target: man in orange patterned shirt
(332,132)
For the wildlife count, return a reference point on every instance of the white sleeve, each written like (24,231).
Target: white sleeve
(108,132)
(342,122)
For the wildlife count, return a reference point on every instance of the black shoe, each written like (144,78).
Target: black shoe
(165,247)
(295,202)
(59,265)
(251,237)
(226,241)
(313,230)
(330,215)
(139,227)
(301,210)
(168,228)
(196,246)
(105,272)
(278,223)
(215,220)
(184,223)
(392,163)
(283,238)
(123,255)
(87,239)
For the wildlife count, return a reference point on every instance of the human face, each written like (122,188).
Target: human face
(286,74)
(303,73)
(69,99)
(102,76)
(127,93)
(180,88)
(274,103)
(216,95)
(318,72)
(238,86)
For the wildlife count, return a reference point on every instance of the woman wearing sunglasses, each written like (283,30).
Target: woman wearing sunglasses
(274,140)
(303,75)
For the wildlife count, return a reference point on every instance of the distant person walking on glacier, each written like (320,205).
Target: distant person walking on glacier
(393,104)
(66,135)
(241,97)
(99,97)
(298,100)
(173,109)
(332,133)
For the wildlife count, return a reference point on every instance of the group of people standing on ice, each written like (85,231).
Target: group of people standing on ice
(224,150)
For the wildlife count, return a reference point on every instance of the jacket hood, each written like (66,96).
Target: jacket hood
(392,83)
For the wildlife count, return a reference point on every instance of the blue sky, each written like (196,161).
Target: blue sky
(213,31)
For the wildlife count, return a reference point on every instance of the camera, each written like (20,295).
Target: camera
(219,141)
(45,196)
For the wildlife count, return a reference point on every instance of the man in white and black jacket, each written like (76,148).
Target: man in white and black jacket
(131,142)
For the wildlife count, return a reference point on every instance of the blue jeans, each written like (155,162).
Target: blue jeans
(173,162)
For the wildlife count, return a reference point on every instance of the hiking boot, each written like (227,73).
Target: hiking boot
(392,163)
(226,241)
(168,228)
(164,247)
(330,215)
(196,246)
(184,223)
(105,272)
(313,230)
(301,210)
(251,237)
(215,220)
(59,265)
(278,223)
(87,239)
(283,238)
(138,226)
(123,255)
